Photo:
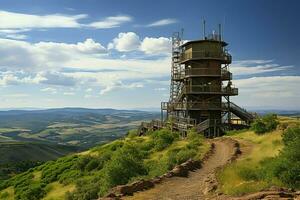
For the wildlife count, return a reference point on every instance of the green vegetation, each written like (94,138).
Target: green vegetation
(265,124)
(91,174)
(270,159)
(286,166)
(17,157)
(42,135)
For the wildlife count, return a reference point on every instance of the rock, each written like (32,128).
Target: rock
(111,195)
(142,185)
(181,171)
(156,180)
(122,190)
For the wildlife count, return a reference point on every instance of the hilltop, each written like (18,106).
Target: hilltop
(94,172)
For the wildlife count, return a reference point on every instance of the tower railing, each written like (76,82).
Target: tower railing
(199,105)
(226,75)
(224,56)
(202,72)
(228,90)
(193,72)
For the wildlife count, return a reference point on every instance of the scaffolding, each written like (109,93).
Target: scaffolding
(201,87)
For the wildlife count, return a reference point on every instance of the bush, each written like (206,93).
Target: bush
(265,124)
(286,166)
(86,189)
(156,167)
(82,162)
(163,139)
(93,164)
(259,126)
(291,135)
(249,174)
(126,163)
(185,154)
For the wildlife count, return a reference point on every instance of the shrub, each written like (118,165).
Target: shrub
(93,164)
(286,166)
(265,124)
(132,133)
(126,163)
(87,189)
(163,139)
(69,176)
(172,158)
(185,154)
(249,174)
(156,167)
(291,135)
(82,162)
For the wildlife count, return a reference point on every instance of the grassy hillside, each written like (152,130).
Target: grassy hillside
(41,135)
(28,151)
(92,173)
(17,157)
(265,157)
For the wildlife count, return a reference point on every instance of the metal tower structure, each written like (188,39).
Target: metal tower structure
(201,86)
(200,89)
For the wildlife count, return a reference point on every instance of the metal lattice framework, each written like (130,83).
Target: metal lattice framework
(198,70)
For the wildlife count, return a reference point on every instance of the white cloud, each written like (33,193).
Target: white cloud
(125,42)
(17,78)
(56,78)
(159,45)
(248,67)
(270,91)
(43,55)
(13,20)
(69,93)
(110,22)
(49,89)
(89,46)
(118,85)
(130,41)
(163,22)
(16,36)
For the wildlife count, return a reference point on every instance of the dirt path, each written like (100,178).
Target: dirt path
(199,182)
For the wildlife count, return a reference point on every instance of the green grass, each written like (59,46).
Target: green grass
(57,191)
(91,173)
(243,176)
(7,194)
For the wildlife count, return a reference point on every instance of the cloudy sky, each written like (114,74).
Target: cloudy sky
(115,53)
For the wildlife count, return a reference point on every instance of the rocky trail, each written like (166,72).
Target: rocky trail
(199,183)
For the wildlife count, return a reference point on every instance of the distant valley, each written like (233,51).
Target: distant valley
(69,126)
(28,137)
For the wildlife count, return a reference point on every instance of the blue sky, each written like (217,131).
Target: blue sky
(112,53)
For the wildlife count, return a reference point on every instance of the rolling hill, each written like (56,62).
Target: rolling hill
(30,137)
(70,126)
(17,157)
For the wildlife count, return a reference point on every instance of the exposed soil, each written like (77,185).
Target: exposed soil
(199,184)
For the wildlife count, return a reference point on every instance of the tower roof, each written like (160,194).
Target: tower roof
(206,40)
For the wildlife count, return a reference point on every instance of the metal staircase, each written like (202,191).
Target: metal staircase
(203,126)
(240,112)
